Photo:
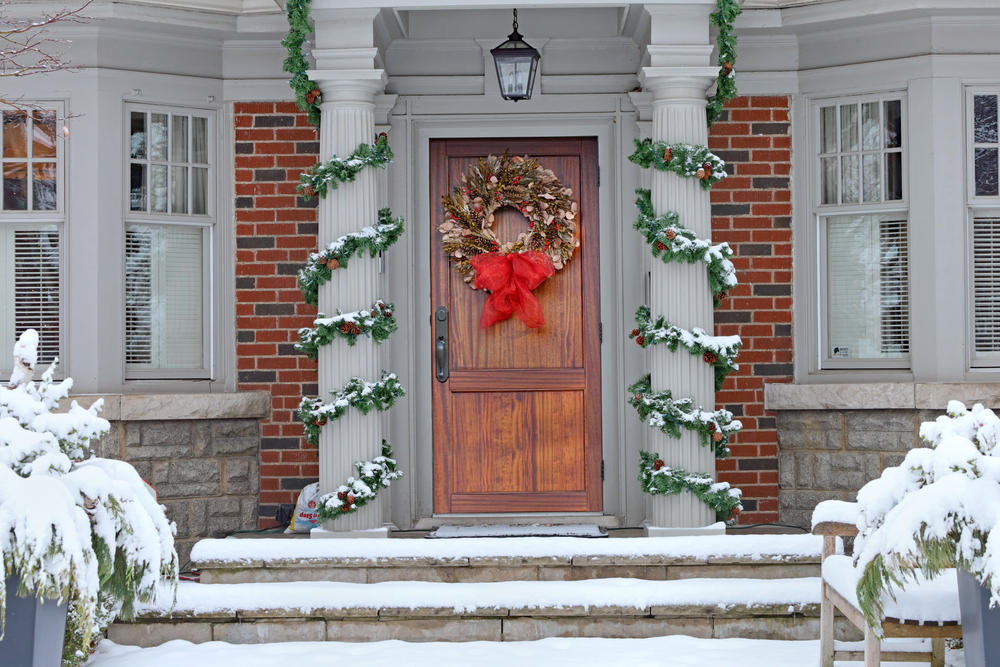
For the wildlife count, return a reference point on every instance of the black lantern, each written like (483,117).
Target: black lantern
(516,63)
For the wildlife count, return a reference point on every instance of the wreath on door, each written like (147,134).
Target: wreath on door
(512,269)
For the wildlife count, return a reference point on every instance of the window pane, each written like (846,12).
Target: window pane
(829,169)
(15,186)
(44,134)
(179,141)
(178,190)
(199,190)
(867,287)
(15,134)
(828,130)
(137,136)
(871,129)
(43,192)
(158,187)
(893,124)
(158,137)
(986,286)
(985,112)
(848,127)
(870,177)
(137,187)
(986,172)
(893,176)
(849,178)
(199,140)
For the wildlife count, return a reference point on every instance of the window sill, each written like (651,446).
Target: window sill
(879,396)
(162,407)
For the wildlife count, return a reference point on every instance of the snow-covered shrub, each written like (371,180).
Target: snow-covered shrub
(939,509)
(73,526)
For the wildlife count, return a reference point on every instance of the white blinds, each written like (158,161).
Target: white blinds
(986,286)
(867,287)
(164,297)
(29,287)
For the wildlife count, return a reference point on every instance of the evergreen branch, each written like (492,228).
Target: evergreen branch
(376,323)
(719,351)
(685,160)
(330,174)
(658,479)
(307,95)
(373,476)
(725,88)
(365,396)
(661,411)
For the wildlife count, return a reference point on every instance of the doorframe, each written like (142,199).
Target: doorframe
(410,191)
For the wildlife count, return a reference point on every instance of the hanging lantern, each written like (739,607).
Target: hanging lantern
(516,63)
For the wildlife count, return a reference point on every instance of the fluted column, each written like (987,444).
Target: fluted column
(349,82)
(679,78)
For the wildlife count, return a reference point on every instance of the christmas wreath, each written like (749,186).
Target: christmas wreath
(510,270)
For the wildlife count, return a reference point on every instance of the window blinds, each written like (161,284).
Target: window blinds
(986,285)
(29,270)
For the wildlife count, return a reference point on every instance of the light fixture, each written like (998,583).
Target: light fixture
(516,63)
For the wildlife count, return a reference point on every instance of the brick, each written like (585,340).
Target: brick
(269,175)
(771,128)
(726,210)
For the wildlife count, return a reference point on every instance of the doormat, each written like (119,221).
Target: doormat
(536,530)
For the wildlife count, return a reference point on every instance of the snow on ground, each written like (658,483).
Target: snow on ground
(700,547)
(676,651)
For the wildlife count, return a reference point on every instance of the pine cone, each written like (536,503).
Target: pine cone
(668,155)
(638,398)
(658,464)
(710,357)
(332,263)
(345,509)
(308,191)
(388,314)
(341,495)
(727,67)
(635,332)
(721,295)
(701,174)
(641,341)
(671,234)
(350,499)
(345,328)
(660,246)
(717,437)
(312,95)
(319,421)
(707,167)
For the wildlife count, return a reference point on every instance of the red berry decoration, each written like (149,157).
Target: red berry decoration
(658,464)
(710,357)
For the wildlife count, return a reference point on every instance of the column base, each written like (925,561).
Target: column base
(717,528)
(371,533)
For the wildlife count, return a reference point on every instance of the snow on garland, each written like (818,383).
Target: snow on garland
(320,266)
(659,479)
(376,323)
(365,396)
(685,160)
(725,88)
(307,95)
(325,176)
(719,351)
(373,476)
(660,410)
(672,242)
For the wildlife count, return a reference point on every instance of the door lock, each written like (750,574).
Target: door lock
(441,343)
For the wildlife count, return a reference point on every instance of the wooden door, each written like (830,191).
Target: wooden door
(517,425)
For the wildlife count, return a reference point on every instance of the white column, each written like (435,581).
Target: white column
(679,76)
(348,80)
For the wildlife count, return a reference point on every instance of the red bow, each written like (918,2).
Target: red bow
(511,278)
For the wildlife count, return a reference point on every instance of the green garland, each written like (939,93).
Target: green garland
(715,350)
(658,479)
(320,266)
(365,396)
(685,160)
(725,88)
(373,476)
(376,323)
(673,243)
(661,410)
(330,174)
(306,93)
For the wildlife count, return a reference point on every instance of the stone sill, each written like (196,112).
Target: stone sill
(879,396)
(164,407)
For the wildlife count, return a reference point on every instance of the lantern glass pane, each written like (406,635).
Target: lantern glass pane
(515,73)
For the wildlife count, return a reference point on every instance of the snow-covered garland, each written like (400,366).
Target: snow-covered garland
(328,175)
(719,351)
(659,479)
(373,476)
(365,396)
(660,410)
(307,95)
(672,242)
(685,160)
(320,266)
(725,88)
(376,323)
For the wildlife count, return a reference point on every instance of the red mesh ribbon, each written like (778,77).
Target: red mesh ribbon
(511,278)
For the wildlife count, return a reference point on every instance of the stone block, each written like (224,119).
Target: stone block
(803,470)
(845,471)
(145,635)
(238,405)
(416,630)
(183,548)
(144,468)
(210,516)
(936,396)
(518,561)
(235,428)
(634,561)
(179,512)
(786,470)
(234,446)
(371,613)
(531,629)
(879,420)
(393,613)
(788,628)
(886,441)
(805,500)
(269,632)
(107,445)
(242,476)
(584,573)
(892,460)
(888,395)
(745,571)
(187,478)
(452,575)
(807,429)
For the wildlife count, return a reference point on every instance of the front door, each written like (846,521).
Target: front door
(517,424)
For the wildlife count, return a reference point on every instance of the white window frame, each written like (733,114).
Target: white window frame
(206,222)
(820,212)
(38,219)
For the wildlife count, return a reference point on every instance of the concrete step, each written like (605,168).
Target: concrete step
(508,559)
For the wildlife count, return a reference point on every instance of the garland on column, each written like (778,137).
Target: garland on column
(373,476)
(719,351)
(725,88)
(307,95)
(357,393)
(685,160)
(660,410)
(658,479)
(376,324)
(330,174)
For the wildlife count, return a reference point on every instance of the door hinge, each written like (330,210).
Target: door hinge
(602,470)
(600,332)
(598,175)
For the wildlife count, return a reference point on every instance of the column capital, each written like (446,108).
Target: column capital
(678,83)
(349,85)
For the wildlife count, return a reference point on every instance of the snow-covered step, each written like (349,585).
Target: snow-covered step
(504,611)
(507,559)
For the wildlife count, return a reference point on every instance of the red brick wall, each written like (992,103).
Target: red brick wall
(275,232)
(751,210)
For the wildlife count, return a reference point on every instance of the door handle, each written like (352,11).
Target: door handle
(441,343)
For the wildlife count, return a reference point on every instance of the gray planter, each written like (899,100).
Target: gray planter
(35,629)
(980,624)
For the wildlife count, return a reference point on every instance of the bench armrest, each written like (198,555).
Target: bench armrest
(835,528)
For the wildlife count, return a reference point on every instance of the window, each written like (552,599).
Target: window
(984,196)
(985,146)
(862,233)
(168,239)
(31,222)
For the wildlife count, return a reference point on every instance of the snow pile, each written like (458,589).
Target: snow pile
(835,511)
(936,511)
(73,526)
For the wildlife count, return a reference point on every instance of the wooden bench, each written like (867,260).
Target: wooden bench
(846,602)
